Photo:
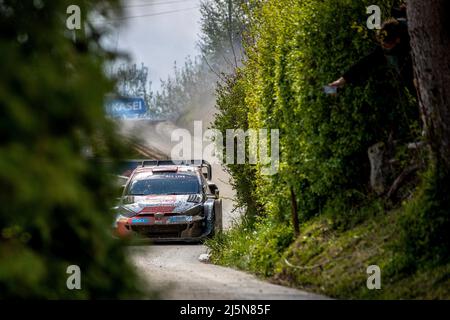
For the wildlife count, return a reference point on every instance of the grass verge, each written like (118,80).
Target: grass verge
(331,261)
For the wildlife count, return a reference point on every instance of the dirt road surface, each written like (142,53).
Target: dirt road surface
(174,269)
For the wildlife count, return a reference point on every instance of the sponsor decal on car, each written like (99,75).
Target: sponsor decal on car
(180,219)
(140,220)
(159,199)
(157,209)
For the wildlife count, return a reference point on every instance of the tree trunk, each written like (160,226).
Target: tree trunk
(429,29)
(294,213)
(377,177)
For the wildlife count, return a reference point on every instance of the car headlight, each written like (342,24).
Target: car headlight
(119,218)
(123,211)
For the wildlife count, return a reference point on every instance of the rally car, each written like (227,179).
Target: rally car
(170,201)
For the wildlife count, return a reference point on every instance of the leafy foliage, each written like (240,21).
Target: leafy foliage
(190,87)
(424,236)
(299,47)
(254,248)
(56,203)
(133,81)
(232,114)
(223,24)
(295,48)
(189,90)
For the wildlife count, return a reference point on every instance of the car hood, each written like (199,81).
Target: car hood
(160,203)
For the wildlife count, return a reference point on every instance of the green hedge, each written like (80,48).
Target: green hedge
(296,48)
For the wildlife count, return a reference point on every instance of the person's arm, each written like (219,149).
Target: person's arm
(360,71)
(339,83)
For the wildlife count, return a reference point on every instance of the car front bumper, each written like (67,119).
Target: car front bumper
(167,228)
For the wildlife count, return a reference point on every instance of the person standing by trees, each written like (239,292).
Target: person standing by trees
(394,51)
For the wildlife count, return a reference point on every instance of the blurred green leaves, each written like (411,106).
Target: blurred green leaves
(54,201)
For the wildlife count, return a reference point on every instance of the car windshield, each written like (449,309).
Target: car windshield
(167,183)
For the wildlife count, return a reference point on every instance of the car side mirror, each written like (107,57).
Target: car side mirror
(214,190)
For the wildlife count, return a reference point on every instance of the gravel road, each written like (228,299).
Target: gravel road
(174,269)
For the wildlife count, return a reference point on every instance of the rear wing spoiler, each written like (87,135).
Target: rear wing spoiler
(196,163)
(126,167)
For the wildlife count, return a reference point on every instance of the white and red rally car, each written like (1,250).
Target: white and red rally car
(169,200)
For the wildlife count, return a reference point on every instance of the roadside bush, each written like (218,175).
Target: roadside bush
(425,224)
(302,46)
(232,114)
(255,246)
(295,48)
